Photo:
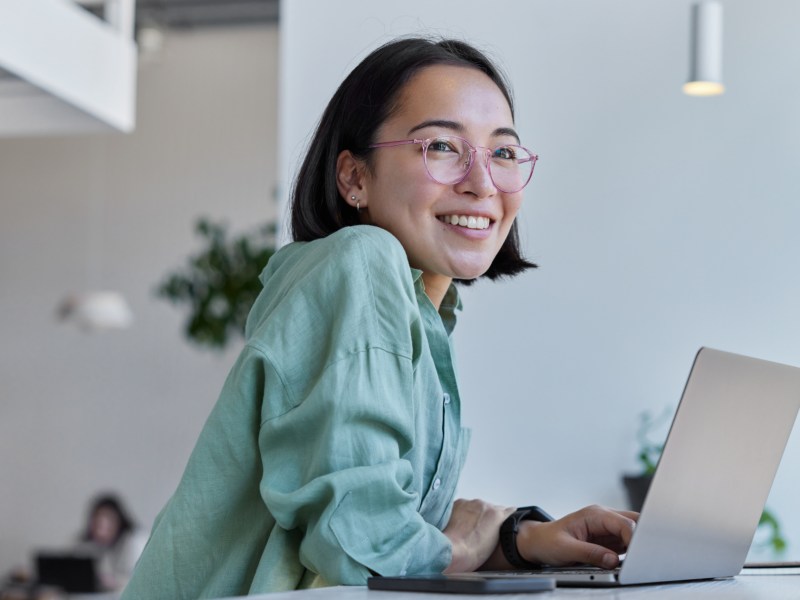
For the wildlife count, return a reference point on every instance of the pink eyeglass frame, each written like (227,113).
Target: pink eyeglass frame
(473,150)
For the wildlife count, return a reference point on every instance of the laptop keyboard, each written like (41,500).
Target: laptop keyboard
(574,571)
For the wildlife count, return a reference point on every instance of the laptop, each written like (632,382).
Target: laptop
(715,473)
(70,572)
(712,481)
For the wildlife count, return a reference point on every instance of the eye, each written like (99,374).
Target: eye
(442,145)
(505,153)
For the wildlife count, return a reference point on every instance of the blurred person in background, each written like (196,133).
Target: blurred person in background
(112,537)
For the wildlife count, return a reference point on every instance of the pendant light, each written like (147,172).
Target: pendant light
(705,73)
(96,308)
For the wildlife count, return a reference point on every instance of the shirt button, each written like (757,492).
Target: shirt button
(436,483)
(447,398)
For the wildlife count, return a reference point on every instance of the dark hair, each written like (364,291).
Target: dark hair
(110,501)
(364,101)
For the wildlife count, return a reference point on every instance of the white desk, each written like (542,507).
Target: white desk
(743,587)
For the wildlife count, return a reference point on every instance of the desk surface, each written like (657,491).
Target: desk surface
(743,587)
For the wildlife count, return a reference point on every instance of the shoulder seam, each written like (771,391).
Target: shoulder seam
(368,274)
(264,353)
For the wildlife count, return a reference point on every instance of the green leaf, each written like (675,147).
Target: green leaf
(220,283)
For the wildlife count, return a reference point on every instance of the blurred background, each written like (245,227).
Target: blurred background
(661,222)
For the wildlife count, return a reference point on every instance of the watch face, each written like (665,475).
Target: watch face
(534,513)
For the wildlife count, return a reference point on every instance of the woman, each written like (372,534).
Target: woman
(112,538)
(335,447)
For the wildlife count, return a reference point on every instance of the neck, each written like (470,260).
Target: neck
(436,287)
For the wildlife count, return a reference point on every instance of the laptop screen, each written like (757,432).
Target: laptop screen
(72,573)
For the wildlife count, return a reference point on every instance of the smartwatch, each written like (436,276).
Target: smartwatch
(510,528)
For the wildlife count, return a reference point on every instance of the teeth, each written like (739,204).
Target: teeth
(468,222)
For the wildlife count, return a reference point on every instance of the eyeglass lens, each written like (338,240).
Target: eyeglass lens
(448,161)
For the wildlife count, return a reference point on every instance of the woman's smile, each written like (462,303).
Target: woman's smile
(468,221)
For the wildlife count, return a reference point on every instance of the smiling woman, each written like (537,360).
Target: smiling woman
(417,191)
(336,444)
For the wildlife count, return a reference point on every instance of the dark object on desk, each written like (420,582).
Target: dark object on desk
(69,572)
(636,487)
(772,565)
(467,583)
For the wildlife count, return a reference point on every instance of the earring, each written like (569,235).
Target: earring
(354,199)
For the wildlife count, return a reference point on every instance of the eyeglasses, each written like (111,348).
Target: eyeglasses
(449,160)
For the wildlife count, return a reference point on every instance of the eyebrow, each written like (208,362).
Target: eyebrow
(459,128)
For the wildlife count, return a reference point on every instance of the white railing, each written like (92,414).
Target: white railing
(118,13)
(66,70)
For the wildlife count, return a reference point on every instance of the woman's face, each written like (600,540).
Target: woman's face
(399,196)
(104,526)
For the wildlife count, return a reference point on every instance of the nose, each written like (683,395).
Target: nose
(478,180)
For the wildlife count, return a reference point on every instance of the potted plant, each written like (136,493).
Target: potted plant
(220,283)
(636,485)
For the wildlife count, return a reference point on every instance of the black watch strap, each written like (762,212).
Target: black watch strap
(509,530)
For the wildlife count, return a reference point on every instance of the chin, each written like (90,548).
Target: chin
(473,273)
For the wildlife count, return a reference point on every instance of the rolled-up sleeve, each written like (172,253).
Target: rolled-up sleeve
(334,468)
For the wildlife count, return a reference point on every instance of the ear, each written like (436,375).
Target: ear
(350,179)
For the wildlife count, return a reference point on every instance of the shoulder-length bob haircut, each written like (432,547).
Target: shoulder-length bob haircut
(364,101)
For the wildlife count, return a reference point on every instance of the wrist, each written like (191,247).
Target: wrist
(526,541)
(514,526)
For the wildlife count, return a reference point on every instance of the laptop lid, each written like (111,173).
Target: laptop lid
(716,470)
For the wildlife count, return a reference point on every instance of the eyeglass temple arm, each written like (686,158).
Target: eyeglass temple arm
(395,143)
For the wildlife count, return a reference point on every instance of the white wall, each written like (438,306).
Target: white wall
(81,413)
(661,222)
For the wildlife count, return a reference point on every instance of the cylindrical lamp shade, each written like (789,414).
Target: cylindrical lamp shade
(705,78)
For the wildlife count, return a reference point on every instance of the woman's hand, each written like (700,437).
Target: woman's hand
(593,535)
(474,531)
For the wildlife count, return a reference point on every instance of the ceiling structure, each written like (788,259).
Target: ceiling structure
(206,13)
(28,108)
(187,14)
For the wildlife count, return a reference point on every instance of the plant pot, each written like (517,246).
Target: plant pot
(636,487)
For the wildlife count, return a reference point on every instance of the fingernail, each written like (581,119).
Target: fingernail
(609,561)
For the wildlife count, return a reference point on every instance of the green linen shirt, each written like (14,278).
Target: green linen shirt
(335,446)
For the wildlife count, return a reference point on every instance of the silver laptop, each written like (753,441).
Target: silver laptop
(714,476)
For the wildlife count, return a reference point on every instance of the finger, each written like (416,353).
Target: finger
(585,552)
(633,516)
(612,543)
(611,523)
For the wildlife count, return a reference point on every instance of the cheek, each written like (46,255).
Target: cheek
(401,197)
(401,181)
(514,202)
(511,206)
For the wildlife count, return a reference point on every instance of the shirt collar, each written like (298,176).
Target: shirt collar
(450,303)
